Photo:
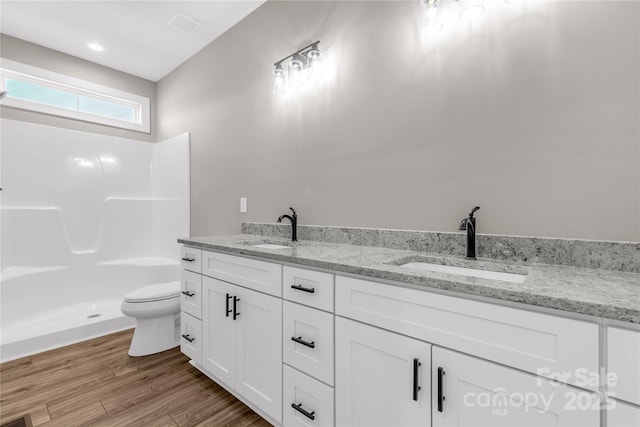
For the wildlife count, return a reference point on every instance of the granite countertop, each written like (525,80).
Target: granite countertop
(597,292)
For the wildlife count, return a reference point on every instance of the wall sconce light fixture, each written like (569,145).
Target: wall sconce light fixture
(305,64)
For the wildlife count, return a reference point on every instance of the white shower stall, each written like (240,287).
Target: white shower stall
(85,218)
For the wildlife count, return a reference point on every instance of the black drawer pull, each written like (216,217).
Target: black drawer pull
(440,389)
(228,309)
(311,415)
(188,337)
(303,289)
(187,293)
(235,308)
(187,259)
(416,377)
(299,340)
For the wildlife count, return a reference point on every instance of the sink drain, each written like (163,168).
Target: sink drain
(92,316)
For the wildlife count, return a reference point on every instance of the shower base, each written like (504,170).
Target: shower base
(62,326)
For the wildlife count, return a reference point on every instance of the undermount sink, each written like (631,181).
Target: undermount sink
(270,246)
(464,271)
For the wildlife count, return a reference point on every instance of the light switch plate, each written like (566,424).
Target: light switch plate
(243,205)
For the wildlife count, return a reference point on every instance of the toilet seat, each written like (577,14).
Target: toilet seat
(156,292)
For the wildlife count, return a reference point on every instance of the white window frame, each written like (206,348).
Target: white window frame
(27,73)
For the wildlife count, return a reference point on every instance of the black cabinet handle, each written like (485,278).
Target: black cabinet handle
(228,309)
(416,377)
(440,389)
(188,337)
(303,289)
(311,415)
(299,340)
(187,293)
(235,308)
(187,259)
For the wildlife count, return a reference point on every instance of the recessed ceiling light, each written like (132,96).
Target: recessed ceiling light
(95,46)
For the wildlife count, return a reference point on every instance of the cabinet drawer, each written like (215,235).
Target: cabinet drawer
(258,275)
(313,350)
(191,293)
(307,287)
(190,259)
(535,342)
(190,337)
(623,353)
(310,395)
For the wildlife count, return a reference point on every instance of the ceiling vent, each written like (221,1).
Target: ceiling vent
(183,22)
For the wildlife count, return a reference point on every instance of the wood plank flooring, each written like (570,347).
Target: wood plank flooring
(96,383)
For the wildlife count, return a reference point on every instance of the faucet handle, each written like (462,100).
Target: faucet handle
(294,211)
(474,210)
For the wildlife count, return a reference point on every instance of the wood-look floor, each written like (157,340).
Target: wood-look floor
(95,383)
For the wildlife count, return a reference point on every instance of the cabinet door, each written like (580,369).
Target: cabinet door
(376,374)
(473,392)
(218,329)
(623,352)
(621,414)
(259,351)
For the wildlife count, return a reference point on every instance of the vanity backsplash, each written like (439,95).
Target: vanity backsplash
(619,256)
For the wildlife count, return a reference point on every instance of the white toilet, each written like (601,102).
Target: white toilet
(156,309)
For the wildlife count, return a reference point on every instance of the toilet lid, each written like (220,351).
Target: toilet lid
(157,292)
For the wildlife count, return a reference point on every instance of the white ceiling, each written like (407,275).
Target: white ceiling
(136,36)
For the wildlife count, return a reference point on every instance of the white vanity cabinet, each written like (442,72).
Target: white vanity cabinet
(242,342)
(231,325)
(382,378)
(470,391)
(310,348)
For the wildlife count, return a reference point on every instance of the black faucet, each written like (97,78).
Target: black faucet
(469,224)
(294,224)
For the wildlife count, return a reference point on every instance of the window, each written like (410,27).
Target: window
(35,89)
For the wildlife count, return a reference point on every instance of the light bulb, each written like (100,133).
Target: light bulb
(295,72)
(279,80)
(314,64)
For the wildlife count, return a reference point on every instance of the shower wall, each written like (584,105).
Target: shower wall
(85,218)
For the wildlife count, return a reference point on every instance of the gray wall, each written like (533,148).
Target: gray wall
(534,116)
(38,56)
